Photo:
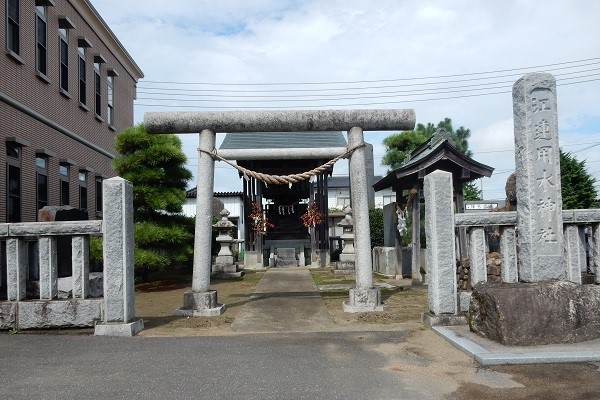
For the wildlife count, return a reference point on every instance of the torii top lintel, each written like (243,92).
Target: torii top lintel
(279,121)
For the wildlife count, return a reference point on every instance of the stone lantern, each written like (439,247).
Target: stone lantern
(346,263)
(224,266)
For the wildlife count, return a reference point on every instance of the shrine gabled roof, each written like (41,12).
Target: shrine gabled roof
(283,140)
(436,153)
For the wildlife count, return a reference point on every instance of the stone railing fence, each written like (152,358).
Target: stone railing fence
(112,314)
(445,297)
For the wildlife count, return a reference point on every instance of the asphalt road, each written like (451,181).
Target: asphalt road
(259,366)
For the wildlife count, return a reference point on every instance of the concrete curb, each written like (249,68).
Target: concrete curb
(486,352)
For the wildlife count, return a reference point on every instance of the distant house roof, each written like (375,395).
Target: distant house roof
(334,182)
(436,153)
(192,193)
(283,140)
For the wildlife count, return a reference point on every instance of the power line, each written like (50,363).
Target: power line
(298,106)
(378,80)
(326,96)
(288,90)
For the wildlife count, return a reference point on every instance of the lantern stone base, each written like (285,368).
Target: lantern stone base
(200,304)
(364,300)
(225,271)
(344,267)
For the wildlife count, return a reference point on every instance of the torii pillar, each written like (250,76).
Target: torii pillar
(201,301)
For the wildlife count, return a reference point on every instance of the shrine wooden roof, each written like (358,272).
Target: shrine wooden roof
(436,153)
(283,140)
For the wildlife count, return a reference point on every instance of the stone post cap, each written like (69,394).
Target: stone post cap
(347,221)
(224,222)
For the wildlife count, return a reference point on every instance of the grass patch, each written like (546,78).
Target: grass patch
(325,276)
(247,277)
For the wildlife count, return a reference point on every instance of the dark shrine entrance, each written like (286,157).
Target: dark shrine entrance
(287,242)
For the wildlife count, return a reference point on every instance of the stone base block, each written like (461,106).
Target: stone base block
(50,314)
(343,272)
(345,266)
(430,320)
(363,300)
(256,267)
(385,261)
(224,260)
(200,304)
(225,271)
(59,313)
(527,314)
(253,260)
(227,275)
(124,329)
(8,315)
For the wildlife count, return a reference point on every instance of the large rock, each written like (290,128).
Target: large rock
(525,314)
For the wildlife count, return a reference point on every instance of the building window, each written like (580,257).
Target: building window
(343,202)
(82,80)
(97,90)
(98,194)
(110,115)
(41,167)
(41,54)
(13,182)
(63,171)
(389,199)
(63,35)
(13,17)
(83,194)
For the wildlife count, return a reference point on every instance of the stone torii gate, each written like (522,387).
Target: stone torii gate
(201,301)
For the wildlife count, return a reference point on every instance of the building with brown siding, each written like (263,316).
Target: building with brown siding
(67,87)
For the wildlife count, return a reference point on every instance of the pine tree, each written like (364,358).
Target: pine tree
(155,165)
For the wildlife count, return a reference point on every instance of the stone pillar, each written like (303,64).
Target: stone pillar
(370,174)
(224,266)
(364,297)
(574,252)
(478,270)
(81,266)
(117,229)
(508,251)
(441,252)
(48,268)
(540,251)
(416,238)
(595,252)
(16,269)
(201,301)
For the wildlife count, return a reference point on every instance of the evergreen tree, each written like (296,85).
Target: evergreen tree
(577,184)
(376,226)
(155,165)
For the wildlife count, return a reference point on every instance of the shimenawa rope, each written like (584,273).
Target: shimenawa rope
(282,179)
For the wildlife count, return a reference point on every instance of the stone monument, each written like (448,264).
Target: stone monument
(543,307)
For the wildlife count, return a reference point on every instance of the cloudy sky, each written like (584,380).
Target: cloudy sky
(454,58)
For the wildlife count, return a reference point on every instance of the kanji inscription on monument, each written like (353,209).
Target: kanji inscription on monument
(539,201)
